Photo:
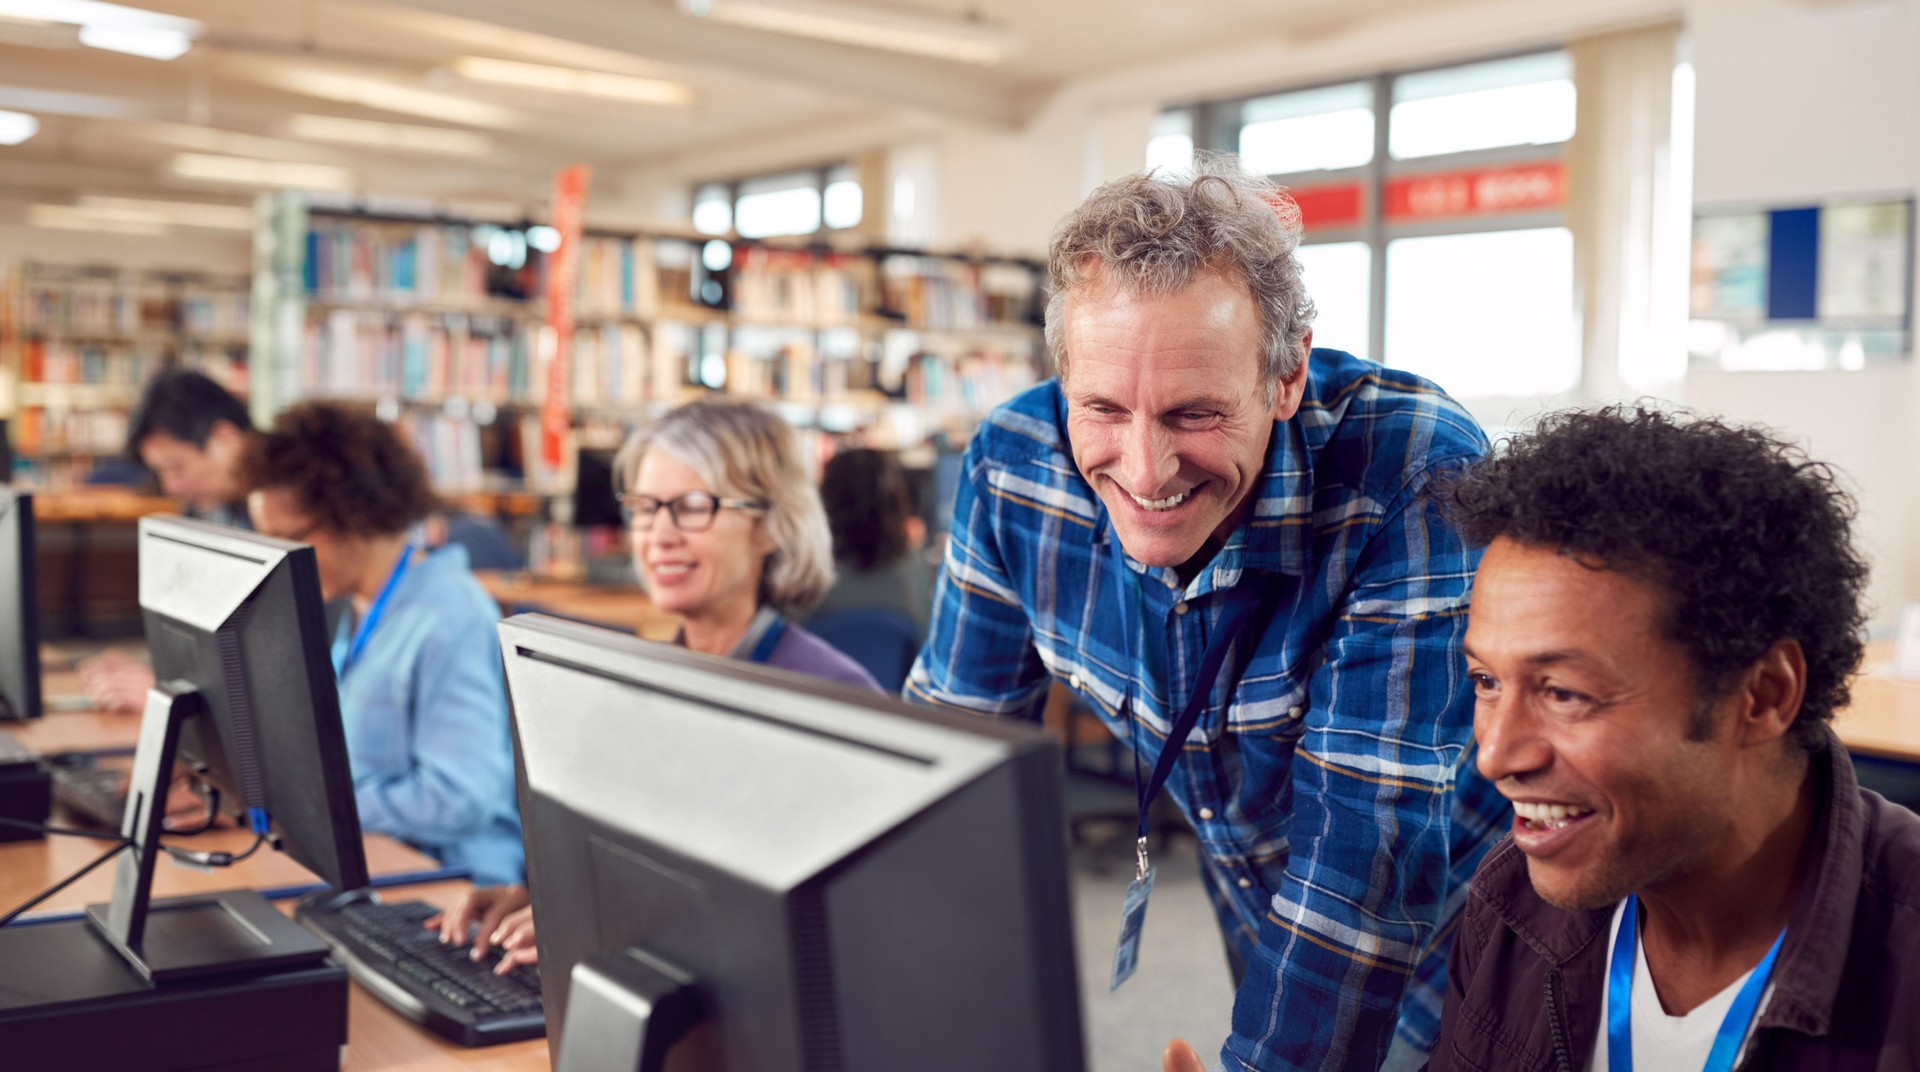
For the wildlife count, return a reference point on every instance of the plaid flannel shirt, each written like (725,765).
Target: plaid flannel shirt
(1330,778)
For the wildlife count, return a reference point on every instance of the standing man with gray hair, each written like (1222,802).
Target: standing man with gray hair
(1217,538)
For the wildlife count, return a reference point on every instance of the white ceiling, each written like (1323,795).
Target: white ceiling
(111,124)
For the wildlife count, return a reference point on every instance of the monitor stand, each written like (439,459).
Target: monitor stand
(212,981)
(625,1010)
(182,937)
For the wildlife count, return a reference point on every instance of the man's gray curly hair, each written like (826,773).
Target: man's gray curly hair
(1151,234)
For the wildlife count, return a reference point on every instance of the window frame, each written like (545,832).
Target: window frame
(822,175)
(1216,125)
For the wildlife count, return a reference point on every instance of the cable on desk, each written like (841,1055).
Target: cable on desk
(65,831)
(204,858)
(64,883)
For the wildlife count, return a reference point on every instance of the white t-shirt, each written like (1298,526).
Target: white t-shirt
(1662,1042)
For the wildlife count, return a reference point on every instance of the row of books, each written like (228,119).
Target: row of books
(358,354)
(67,362)
(800,288)
(44,430)
(450,447)
(105,308)
(365,260)
(948,295)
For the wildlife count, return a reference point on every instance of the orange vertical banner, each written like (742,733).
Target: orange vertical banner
(569,204)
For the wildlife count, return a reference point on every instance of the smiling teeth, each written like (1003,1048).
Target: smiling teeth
(1548,816)
(1167,503)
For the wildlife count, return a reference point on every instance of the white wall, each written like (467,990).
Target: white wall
(189,250)
(1797,102)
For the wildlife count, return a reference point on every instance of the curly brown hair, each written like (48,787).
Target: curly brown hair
(349,470)
(1748,537)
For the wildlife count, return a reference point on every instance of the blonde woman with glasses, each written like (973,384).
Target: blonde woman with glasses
(727,531)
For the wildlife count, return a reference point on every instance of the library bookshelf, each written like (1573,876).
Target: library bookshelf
(437,321)
(77,343)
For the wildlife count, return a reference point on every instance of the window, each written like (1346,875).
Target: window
(1170,147)
(1317,130)
(1441,191)
(791,203)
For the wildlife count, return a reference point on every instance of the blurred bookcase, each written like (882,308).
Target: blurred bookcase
(437,321)
(77,343)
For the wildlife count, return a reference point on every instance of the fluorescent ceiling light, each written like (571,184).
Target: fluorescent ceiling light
(384,96)
(621,87)
(182,213)
(70,218)
(250,172)
(16,127)
(111,26)
(961,40)
(388,135)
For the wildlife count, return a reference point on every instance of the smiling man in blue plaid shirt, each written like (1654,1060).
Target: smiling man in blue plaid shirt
(1329,776)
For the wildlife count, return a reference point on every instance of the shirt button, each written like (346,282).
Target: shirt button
(1293,712)
(1206,813)
(1073,681)
(1246,883)
(1179,608)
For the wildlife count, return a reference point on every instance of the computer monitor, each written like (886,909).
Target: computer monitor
(19,609)
(820,877)
(239,617)
(594,504)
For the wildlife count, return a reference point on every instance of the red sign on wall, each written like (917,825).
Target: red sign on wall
(1324,208)
(1477,192)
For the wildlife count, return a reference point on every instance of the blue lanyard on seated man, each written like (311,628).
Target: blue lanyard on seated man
(1733,1028)
(1239,620)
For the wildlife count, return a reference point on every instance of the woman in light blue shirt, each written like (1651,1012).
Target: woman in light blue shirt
(418,660)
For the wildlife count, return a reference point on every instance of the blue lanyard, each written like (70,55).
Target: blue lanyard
(1733,1029)
(1232,626)
(343,661)
(769,640)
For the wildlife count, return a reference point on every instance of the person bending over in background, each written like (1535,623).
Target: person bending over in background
(1662,629)
(422,693)
(726,531)
(190,432)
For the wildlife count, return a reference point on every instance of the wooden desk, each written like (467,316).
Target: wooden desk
(27,867)
(381,1040)
(90,505)
(627,608)
(1884,718)
(75,731)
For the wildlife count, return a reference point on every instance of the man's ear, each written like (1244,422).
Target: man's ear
(1772,691)
(1288,392)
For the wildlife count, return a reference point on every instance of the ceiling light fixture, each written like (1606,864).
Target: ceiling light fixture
(388,135)
(112,27)
(247,171)
(69,218)
(384,96)
(961,40)
(16,127)
(621,87)
(181,213)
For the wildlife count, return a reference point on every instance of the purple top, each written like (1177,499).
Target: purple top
(805,653)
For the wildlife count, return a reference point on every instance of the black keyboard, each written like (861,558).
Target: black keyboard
(97,795)
(440,987)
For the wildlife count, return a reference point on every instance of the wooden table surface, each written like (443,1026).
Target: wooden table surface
(1884,718)
(87,505)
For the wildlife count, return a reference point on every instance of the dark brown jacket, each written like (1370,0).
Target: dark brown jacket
(1527,981)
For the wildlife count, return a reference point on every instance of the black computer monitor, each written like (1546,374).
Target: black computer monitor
(19,609)
(819,877)
(239,617)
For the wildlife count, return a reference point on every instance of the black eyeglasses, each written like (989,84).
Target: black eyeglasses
(691,511)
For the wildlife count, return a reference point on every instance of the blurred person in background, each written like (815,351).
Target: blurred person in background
(876,540)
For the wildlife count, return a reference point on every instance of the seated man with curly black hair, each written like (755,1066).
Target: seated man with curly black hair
(418,661)
(1662,627)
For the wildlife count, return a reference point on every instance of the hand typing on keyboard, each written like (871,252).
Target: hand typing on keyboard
(496,916)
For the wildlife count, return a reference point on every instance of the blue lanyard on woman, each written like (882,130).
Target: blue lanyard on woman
(1733,1029)
(343,661)
(769,640)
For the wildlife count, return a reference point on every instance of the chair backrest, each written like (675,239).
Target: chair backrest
(881,639)
(487,545)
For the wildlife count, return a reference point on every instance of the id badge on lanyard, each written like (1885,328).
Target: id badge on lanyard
(1133,916)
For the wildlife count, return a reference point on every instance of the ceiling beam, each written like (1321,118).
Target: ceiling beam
(657,31)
